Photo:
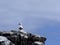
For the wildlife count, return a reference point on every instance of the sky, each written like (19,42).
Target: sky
(40,17)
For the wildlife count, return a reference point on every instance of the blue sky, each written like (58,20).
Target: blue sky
(37,16)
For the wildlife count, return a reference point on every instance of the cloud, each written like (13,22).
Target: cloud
(32,13)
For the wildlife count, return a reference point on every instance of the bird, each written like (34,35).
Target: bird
(20,26)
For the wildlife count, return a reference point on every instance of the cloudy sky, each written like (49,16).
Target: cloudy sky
(37,16)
